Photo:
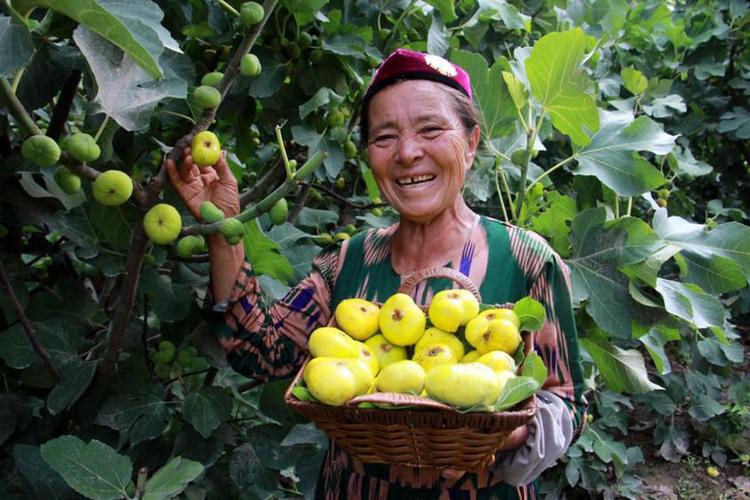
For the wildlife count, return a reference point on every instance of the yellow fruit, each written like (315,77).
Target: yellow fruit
(162,223)
(502,378)
(386,352)
(436,355)
(434,335)
(404,377)
(363,374)
(493,335)
(401,320)
(332,342)
(112,188)
(205,148)
(502,313)
(358,318)
(365,354)
(463,385)
(452,308)
(498,360)
(332,382)
(712,471)
(470,357)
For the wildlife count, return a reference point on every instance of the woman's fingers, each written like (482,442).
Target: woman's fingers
(222,170)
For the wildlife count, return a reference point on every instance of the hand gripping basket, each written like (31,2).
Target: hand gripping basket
(417,432)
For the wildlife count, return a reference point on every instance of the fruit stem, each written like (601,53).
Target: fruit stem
(228,8)
(140,485)
(17,109)
(101,128)
(280,140)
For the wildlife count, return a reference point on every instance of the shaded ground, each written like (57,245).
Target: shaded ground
(688,480)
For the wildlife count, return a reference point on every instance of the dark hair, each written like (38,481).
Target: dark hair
(462,105)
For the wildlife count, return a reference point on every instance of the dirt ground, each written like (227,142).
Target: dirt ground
(688,480)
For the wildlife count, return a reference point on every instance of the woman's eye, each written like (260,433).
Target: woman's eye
(431,130)
(383,138)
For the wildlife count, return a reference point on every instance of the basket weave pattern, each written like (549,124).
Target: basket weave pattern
(415,431)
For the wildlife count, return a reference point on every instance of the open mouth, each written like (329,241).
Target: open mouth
(417,179)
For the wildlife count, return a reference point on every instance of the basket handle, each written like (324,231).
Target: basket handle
(395,399)
(411,280)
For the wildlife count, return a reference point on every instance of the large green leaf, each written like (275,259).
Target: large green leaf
(171,480)
(17,351)
(171,301)
(43,482)
(490,91)
(15,45)
(94,470)
(206,409)
(611,155)
(447,9)
(126,92)
(143,415)
(263,253)
(500,10)
(315,142)
(598,251)
(700,247)
(654,340)
(560,84)
(691,303)
(304,10)
(623,370)
(75,377)
(93,15)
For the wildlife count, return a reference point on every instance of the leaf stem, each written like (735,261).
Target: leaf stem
(101,128)
(550,170)
(228,8)
(498,173)
(525,166)
(17,80)
(282,149)
(17,109)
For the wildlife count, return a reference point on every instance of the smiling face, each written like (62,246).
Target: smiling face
(418,148)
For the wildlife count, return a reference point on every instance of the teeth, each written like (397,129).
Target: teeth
(414,180)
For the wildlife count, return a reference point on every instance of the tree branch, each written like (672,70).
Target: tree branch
(63,105)
(17,109)
(27,326)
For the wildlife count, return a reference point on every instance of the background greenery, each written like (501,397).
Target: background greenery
(618,130)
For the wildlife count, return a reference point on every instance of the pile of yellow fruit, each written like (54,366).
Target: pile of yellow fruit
(459,355)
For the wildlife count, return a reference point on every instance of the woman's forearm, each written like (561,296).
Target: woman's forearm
(226,261)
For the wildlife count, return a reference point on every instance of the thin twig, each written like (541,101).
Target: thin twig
(63,105)
(17,109)
(26,324)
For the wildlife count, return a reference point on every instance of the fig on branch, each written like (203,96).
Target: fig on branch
(82,147)
(210,213)
(279,212)
(162,224)
(250,65)
(251,13)
(41,150)
(190,245)
(207,96)
(112,188)
(212,79)
(166,351)
(205,148)
(233,230)
(69,182)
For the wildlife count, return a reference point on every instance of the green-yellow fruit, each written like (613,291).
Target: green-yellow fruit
(333,343)
(366,355)
(350,150)
(470,357)
(335,118)
(435,355)
(82,147)
(350,229)
(162,370)
(69,182)
(401,321)
(210,213)
(403,377)
(250,65)
(450,309)
(166,351)
(186,356)
(112,188)
(331,383)
(357,317)
(190,245)
(341,236)
(205,148)
(324,239)
(212,79)
(377,212)
(362,372)
(712,471)
(499,361)
(463,385)
(232,228)
(384,351)
(304,40)
(502,313)
(493,335)
(41,150)
(434,336)
(207,96)
(162,224)
(279,212)
(251,13)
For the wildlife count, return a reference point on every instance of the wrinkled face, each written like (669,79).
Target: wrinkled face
(418,149)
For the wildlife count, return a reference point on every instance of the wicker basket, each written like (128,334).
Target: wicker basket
(417,432)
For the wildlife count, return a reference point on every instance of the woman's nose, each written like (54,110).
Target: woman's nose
(409,150)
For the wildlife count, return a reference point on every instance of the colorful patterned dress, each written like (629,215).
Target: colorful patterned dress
(506,263)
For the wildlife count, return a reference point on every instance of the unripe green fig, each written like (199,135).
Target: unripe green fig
(279,212)
(664,193)
(41,150)
(233,230)
(324,239)
(350,149)
(112,188)
(250,65)
(340,183)
(251,13)
(162,223)
(350,229)
(210,213)
(166,351)
(314,194)
(82,147)
(335,118)
(190,245)
(162,371)
(304,40)
(341,236)
(207,96)
(292,50)
(212,79)
(69,182)
(205,148)
(377,212)
(85,269)
(316,56)
(186,356)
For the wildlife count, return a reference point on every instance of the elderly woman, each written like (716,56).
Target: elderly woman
(422,134)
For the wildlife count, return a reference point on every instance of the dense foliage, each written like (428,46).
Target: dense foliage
(617,129)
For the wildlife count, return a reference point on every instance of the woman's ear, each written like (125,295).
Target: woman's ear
(473,143)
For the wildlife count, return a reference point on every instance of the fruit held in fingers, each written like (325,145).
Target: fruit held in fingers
(205,148)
